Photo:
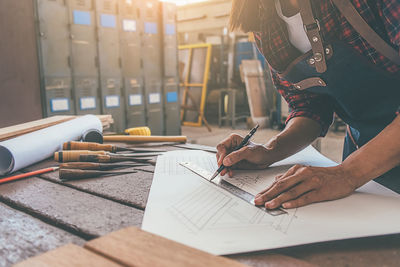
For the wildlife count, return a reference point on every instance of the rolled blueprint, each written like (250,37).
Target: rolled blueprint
(25,150)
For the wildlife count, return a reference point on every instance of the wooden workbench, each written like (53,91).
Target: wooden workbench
(42,213)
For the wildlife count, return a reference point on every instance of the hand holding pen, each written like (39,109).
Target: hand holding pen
(230,150)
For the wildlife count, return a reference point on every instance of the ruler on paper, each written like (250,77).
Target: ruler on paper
(249,198)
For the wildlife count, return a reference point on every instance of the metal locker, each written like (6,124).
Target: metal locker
(152,64)
(109,62)
(172,107)
(130,44)
(171,76)
(85,73)
(54,54)
(170,39)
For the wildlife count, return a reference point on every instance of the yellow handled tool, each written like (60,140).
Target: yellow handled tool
(89,146)
(113,159)
(75,155)
(143,131)
(145,139)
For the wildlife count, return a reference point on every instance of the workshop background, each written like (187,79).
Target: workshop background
(152,63)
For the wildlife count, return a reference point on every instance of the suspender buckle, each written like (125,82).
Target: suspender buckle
(312,26)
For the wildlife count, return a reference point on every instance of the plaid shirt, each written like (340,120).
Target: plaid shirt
(273,42)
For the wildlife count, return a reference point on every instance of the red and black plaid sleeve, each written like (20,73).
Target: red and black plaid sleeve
(389,11)
(317,107)
(274,44)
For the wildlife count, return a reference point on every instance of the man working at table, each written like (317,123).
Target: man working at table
(321,64)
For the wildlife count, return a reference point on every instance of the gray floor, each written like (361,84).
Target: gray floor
(331,145)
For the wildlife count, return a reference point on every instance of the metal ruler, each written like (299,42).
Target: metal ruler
(249,198)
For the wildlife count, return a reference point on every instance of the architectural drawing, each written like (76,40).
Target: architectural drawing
(205,208)
(184,207)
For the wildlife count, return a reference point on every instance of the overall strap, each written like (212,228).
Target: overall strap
(312,29)
(362,27)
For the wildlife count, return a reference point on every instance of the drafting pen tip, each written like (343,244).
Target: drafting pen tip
(214,175)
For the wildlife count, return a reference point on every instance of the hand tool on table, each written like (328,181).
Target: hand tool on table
(98,166)
(143,131)
(73,155)
(244,142)
(144,139)
(113,159)
(75,174)
(100,147)
(28,174)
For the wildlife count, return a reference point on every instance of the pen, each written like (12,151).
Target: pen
(242,144)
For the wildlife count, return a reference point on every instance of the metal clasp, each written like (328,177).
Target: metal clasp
(312,26)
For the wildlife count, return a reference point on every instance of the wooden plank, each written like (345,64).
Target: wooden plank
(24,128)
(66,256)
(256,93)
(134,247)
(253,76)
(86,214)
(23,236)
(359,252)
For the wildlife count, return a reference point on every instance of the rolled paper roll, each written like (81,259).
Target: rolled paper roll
(27,149)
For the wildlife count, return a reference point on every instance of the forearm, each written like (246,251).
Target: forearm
(298,134)
(375,158)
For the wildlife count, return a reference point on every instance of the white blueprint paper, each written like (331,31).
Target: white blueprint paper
(186,208)
(27,149)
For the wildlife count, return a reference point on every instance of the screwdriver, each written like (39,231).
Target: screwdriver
(111,159)
(73,145)
(144,139)
(74,174)
(98,166)
(73,155)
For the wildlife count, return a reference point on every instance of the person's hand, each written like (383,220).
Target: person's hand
(302,185)
(252,156)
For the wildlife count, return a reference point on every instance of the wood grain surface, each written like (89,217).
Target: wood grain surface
(67,256)
(270,259)
(134,247)
(28,127)
(358,252)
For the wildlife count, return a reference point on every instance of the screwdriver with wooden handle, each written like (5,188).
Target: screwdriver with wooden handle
(98,166)
(73,145)
(144,139)
(75,174)
(73,155)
